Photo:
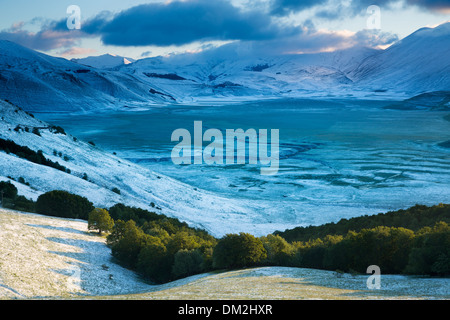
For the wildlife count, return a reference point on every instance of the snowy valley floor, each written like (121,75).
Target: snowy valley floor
(52,258)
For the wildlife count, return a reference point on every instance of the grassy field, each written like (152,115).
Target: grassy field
(52,258)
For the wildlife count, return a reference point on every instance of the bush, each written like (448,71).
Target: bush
(64,204)
(140,216)
(36,131)
(9,190)
(23,204)
(57,129)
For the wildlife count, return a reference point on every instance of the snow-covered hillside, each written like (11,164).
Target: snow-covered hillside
(138,186)
(206,77)
(419,63)
(55,258)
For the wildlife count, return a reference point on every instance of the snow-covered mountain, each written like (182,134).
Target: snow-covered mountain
(105,61)
(417,64)
(38,82)
(205,77)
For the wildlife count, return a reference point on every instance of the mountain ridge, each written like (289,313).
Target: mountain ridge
(105,61)
(414,65)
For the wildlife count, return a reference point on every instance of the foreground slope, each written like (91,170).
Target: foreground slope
(56,258)
(50,257)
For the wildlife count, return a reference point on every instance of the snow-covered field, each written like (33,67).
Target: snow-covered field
(338,159)
(272,283)
(49,257)
(53,258)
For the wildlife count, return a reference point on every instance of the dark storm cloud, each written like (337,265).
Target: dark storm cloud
(436,5)
(283,7)
(309,41)
(330,9)
(178,23)
(184,22)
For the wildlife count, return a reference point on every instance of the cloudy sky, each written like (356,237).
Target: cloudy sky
(137,28)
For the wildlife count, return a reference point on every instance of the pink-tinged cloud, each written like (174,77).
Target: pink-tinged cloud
(45,39)
(76,51)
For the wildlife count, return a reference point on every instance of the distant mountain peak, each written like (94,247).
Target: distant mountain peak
(104,61)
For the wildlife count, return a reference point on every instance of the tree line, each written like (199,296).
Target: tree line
(161,248)
(24,152)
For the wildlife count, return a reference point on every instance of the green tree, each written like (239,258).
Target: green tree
(127,249)
(387,247)
(279,251)
(182,240)
(99,219)
(153,261)
(237,251)
(430,252)
(117,233)
(187,263)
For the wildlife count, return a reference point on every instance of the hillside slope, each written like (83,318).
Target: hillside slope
(94,174)
(55,258)
(417,64)
(51,257)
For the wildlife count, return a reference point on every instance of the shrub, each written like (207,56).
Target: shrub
(26,153)
(23,204)
(9,190)
(187,263)
(36,131)
(64,204)
(237,251)
(57,129)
